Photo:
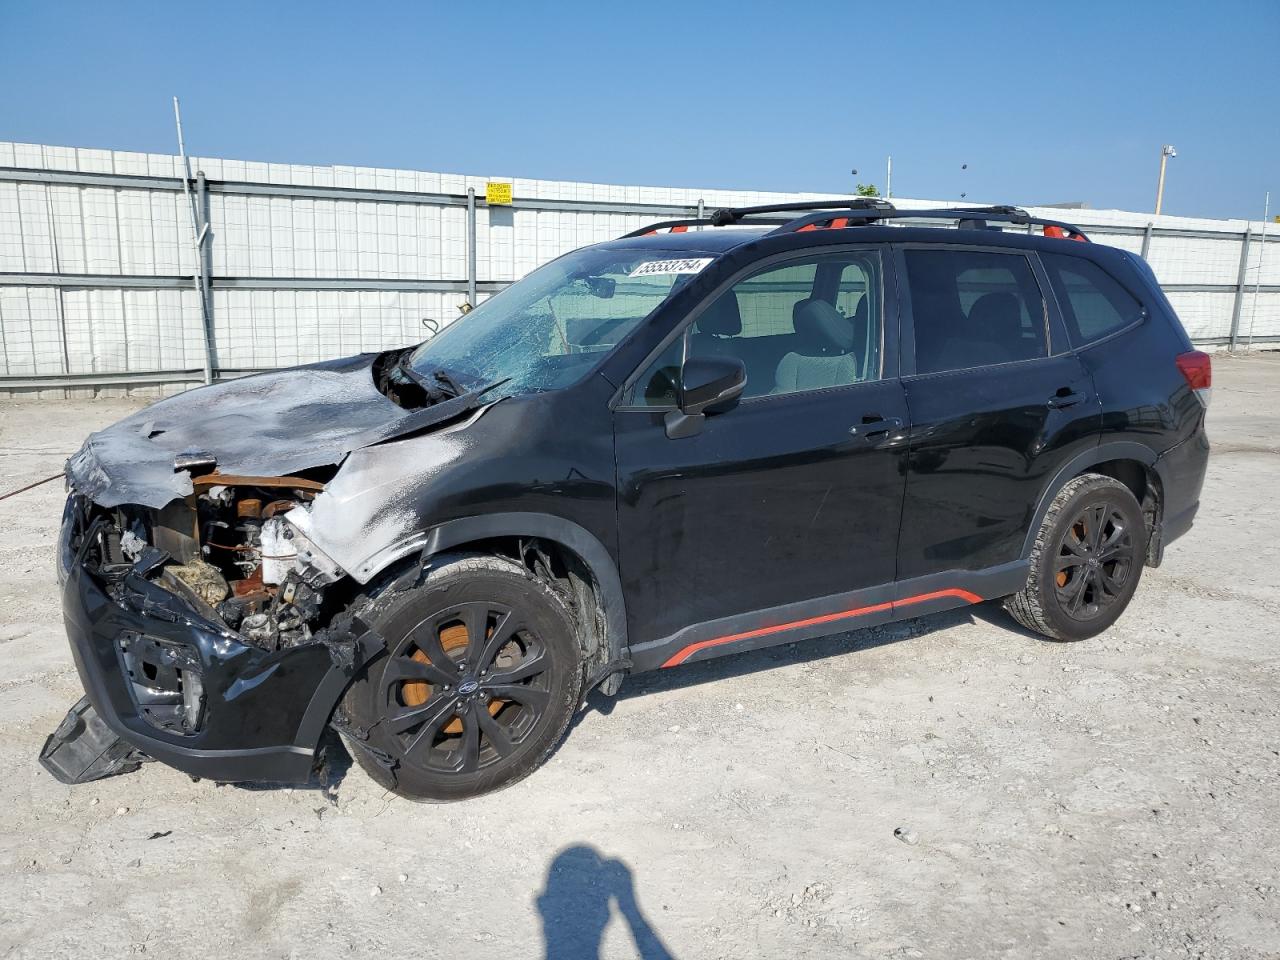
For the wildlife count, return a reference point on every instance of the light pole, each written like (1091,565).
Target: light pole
(1166,152)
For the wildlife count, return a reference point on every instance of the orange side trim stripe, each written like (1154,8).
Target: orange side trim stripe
(683,655)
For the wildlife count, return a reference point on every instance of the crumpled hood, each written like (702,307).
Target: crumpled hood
(269,424)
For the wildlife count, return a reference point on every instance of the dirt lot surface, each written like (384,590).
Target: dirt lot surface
(1114,798)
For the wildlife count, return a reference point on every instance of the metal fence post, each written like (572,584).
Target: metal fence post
(1146,240)
(471,246)
(1235,308)
(197,238)
(204,251)
(59,301)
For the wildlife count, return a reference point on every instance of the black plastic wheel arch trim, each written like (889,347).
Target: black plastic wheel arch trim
(1115,450)
(545,526)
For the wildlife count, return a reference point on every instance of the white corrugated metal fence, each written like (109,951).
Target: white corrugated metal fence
(307,262)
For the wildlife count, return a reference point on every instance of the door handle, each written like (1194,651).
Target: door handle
(1065,397)
(875,425)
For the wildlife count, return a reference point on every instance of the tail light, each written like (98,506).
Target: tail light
(1197,367)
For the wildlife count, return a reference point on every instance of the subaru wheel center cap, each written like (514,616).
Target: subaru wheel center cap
(468,687)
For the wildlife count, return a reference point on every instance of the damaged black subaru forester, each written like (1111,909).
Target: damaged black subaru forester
(705,437)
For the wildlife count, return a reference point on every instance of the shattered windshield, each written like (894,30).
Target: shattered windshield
(549,329)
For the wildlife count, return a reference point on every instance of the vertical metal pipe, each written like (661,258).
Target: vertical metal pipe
(1146,241)
(196,239)
(204,250)
(702,211)
(471,246)
(57,268)
(1257,281)
(1240,276)
(1164,161)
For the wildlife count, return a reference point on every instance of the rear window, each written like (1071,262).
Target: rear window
(1093,303)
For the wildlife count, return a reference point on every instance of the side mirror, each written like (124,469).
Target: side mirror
(707,385)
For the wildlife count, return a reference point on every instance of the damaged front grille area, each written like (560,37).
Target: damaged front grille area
(166,676)
(166,680)
(227,552)
(236,558)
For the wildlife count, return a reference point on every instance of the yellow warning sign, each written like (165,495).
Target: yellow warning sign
(497,194)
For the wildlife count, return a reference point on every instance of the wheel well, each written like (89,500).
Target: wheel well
(1144,484)
(565,572)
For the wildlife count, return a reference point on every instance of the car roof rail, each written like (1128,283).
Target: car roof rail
(861,212)
(758,215)
(972,218)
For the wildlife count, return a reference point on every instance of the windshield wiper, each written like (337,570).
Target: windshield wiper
(447,381)
(437,385)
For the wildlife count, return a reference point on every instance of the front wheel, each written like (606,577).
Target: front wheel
(1086,561)
(481,675)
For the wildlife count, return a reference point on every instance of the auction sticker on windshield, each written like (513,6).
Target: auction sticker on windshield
(656,268)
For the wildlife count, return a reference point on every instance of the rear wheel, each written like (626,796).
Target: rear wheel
(481,675)
(1086,562)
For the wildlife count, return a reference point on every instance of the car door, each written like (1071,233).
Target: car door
(998,401)
(781,507)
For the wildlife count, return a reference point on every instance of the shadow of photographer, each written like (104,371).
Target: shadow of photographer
(583,887)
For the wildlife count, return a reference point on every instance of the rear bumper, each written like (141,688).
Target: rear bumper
(261,714)
(1181,470)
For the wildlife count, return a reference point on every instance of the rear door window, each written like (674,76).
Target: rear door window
(1093,303)
(972,308)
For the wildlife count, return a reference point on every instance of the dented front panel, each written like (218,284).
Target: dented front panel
(138,648)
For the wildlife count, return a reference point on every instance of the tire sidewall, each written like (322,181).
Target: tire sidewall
(1118,495)
(399,609)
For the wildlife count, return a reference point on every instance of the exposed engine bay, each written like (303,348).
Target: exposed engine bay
(235,558)
(221,518)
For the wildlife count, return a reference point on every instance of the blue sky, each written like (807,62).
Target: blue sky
(1044,104)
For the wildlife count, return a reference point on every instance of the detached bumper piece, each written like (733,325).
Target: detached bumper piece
(84,748)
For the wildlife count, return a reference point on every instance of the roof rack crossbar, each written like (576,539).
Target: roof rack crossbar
(728,215)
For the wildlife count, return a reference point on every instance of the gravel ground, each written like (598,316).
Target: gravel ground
(1114,798)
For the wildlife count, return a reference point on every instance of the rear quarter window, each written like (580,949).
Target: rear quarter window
(1094,304)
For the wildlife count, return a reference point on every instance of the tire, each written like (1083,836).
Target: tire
(427,724)
(1086,562)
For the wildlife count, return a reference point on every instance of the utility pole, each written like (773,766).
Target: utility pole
(888,177)
(1166,152)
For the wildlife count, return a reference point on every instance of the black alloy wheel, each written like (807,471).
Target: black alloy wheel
(1086,560)
(1096,555)
(465,687)
(482,672)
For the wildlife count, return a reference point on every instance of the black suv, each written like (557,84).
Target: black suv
(705,437)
